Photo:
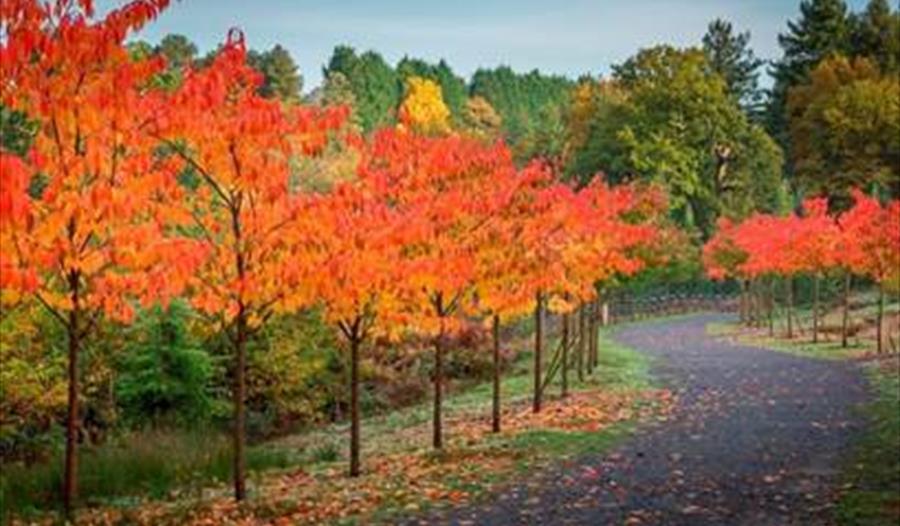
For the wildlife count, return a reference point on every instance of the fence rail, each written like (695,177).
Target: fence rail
(626,308)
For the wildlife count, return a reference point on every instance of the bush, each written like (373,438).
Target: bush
(164,375)
(295,374)
(32,383)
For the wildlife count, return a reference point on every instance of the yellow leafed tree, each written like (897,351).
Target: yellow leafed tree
(423,108)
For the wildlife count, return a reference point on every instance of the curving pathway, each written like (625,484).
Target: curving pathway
(757,439)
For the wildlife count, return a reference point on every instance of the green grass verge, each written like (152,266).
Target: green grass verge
(150,464)
(798,346)
(874,497)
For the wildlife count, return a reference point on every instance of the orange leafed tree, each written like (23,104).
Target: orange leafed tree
(361,279)
(89,239)
(246,210)
(451,188)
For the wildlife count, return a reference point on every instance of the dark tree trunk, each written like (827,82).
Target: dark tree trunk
(879,330)
(538,342)
(438,430)
(815,328)
(70,477)
(790,306)
(565,355)
(496,406)
(845,314)
(592,337)
(354,405)
(581,341)
(742,305)
(771,306)
(240,388)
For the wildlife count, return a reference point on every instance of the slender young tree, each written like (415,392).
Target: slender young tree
(92,241)
(247,211)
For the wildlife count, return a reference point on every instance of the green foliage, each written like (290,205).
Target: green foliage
(295,373)
(876,34)
(281,77)
(164,375)
(826,28)
(845,129)
(178,50)
(730,56)
(875,474)
(16,131)
(667,117)
(374,84)
(523,101)
(32,382)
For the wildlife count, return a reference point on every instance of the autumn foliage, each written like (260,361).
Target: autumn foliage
(864,241)
(134,193)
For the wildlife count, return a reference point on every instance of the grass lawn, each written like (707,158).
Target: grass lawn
(874,497)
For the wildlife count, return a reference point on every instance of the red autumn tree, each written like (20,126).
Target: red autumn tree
(816,248)
(870,246)
(247,211)
(92,240)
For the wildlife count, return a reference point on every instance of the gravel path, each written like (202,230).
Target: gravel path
(756,439)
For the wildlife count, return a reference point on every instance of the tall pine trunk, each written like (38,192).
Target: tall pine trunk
(240,388)
(496,405)
(538,342)
(70,477)
(845,308)
(354,405)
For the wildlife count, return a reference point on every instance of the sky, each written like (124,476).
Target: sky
(568,37)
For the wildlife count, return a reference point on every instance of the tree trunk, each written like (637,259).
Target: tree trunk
(538,337)
(70,478)
(815,328)
(565,356)
(790,306)
(771,305)
(880,328)
(845,315)
(594,335)
(240,387)
(354,406)
(496,411)
(581,341)
(437,431)
(742,303)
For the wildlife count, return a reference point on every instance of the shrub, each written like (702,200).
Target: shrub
(164,374)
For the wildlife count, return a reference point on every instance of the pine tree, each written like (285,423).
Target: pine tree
(824,28)
(282,78)
(730,56)
(876,34)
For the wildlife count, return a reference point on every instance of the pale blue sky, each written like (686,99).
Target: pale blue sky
(565,37)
